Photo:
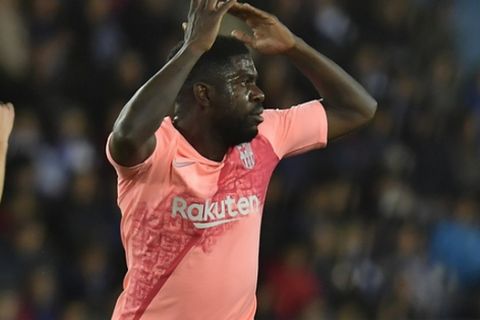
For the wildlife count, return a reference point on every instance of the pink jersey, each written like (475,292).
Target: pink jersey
(191,226)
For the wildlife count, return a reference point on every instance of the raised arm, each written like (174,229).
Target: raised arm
(7,114)
(133,138)
(348,105)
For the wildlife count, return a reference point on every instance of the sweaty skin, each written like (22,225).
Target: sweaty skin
(245,71)
(240,85)
(248,72)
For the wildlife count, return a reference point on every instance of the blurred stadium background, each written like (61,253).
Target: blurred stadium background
(384,224)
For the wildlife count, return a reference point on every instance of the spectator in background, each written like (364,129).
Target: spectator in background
(13,37)
(7,114)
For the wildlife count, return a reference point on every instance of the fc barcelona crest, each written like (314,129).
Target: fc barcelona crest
(246,155)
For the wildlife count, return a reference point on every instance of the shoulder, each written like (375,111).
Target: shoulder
(166,129)
(165,142)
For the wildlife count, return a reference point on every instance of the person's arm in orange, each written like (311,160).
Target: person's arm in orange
(7,114)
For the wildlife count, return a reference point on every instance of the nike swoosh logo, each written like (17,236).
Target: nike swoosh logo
(206,225)
(182,164)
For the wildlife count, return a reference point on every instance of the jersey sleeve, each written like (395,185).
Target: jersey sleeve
(161,147)
(296,130)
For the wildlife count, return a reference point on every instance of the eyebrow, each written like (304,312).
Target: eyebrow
(242,74)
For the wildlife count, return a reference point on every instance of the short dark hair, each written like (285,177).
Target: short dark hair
(214,61)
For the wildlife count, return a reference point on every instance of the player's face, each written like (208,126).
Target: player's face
(240,103)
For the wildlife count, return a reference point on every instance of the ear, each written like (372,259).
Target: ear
(202,93)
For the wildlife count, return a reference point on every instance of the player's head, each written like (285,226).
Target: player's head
(223,86)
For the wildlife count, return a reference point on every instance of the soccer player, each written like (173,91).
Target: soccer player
(191,186)
(7,114)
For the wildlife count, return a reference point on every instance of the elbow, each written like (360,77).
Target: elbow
(124,135)
(124,129)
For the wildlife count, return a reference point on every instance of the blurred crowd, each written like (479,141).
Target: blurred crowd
(383,224)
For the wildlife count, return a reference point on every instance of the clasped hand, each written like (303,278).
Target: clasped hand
(269,35)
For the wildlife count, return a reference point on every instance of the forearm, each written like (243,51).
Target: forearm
(331,81)
(143,114)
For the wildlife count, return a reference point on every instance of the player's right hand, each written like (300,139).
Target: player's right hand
(7,115)
(204,20)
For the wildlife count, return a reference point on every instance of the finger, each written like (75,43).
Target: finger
(247,9)
(194,4)
(245,38)
(211,4)
(226,6)
(184,26)
(9,109)
(238,11)
(12,109)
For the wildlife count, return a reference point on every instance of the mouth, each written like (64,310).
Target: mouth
(257,118)
(257,115)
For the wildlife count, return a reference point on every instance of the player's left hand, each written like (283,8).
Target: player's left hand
(270,36)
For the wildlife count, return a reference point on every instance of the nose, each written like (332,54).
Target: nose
(257,95)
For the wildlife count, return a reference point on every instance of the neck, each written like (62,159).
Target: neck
(201,137)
